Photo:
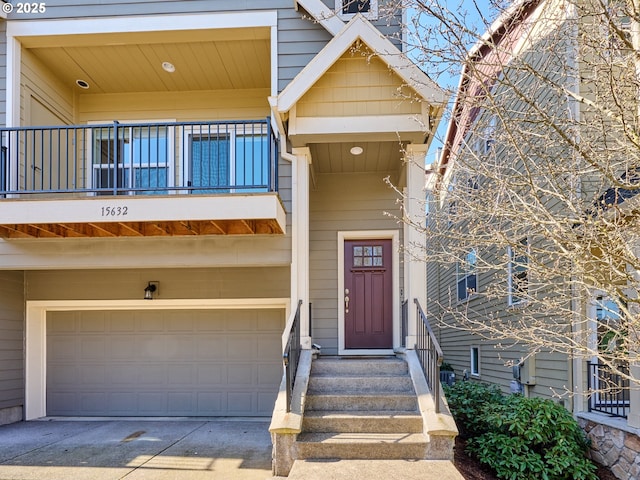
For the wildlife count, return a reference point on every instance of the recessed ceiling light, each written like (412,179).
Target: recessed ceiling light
(82,83)
(356,150)
(168,67)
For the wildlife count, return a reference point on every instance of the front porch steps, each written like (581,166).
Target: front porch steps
(373,470)
(361,409)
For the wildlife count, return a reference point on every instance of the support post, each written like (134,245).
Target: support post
(415,271)
(300,239)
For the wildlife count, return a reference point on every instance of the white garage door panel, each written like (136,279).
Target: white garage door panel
(180,363)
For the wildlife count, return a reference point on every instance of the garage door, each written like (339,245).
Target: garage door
(163,363)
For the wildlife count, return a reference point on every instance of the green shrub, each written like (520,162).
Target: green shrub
(531,439)
(467,401)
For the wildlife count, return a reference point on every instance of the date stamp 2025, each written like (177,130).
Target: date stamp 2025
(24,8)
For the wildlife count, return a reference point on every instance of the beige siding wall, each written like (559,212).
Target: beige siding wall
(43,96)
(248,104)
(347,202)
(11,339)
(358,84)
(209,283)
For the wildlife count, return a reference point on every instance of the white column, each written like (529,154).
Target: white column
(415,270)
(633,418)
(300,239)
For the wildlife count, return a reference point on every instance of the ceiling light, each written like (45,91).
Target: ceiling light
(168,67)
(82,84)
(356,150)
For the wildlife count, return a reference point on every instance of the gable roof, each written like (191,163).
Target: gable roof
(359,29)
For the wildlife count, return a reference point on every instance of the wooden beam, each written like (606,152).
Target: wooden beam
(79,229)
(163,228)
(9,231)
(39,231)
(105,229)
(133,229)
(192,228)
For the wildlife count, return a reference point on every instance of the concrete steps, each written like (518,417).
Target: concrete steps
(369,421)
(373,470)
(364,408)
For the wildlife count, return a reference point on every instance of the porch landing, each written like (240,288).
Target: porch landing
(334,469)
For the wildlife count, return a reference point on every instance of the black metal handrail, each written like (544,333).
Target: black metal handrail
(291,354)
(429,353)
(609,389)
(206,157)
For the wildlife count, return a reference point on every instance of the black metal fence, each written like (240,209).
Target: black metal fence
(429,353)
(291,355)
(609,389)
(139,158)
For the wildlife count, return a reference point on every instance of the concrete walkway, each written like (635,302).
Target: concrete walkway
(136,450)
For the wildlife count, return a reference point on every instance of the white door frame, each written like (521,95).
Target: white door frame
(394,236)
(36,332)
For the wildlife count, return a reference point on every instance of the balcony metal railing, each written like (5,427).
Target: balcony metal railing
(429,353)
(139,158)
(609,390)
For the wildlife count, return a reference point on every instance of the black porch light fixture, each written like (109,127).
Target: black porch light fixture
(150,289)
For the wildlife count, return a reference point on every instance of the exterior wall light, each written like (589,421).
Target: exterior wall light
(356,150)
(150,289)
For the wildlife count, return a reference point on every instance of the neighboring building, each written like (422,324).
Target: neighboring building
(518,78)
(177,176)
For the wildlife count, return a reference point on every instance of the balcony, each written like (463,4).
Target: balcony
(609,389)
(140,179)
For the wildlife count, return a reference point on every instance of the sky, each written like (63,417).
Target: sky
(477,14)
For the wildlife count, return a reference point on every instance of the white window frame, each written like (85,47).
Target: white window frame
(193,130)
(372,14)
(465,274)
(512,295)
(474,361)
(487,138)
(91,166)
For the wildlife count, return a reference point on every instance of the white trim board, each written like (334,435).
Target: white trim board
(148,23)
(394,236)
(359,28)
(20,31)
(36,332)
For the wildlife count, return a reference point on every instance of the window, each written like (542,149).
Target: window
(348,8)
(475,361)
(367,256)
(611,329)
(518,272)
(467,276)
(137,162)
(487,137)
(228,159)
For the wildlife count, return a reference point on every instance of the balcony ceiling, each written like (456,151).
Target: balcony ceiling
(127,63)
(382,157)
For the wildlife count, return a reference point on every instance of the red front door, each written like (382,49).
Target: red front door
(367,296)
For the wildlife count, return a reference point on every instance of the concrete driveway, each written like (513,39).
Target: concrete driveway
(136,449)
